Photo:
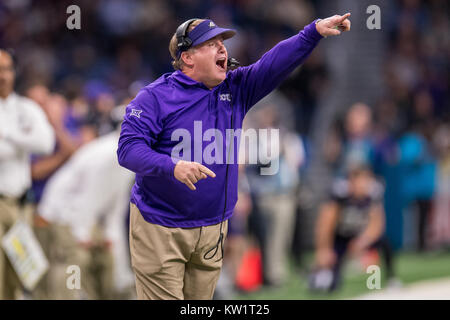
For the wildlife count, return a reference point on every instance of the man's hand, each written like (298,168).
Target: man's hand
(190,172)
(334,25)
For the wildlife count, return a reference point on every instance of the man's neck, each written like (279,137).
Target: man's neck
(195,77)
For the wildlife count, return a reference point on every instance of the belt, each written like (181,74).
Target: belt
(3,197)
(18,199)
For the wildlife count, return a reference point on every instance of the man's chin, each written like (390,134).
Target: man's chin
(219,79)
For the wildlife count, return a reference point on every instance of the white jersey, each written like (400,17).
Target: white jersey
(89,188)
(24,130)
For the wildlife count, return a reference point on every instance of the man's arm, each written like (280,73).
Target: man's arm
(45,166)
(259,79)
(373,231)
(140,128)
(139,133)
(324,236)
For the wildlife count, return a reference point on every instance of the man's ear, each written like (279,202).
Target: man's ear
(186,57)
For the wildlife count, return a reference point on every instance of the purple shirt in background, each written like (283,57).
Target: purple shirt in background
(72,125)
(175,101)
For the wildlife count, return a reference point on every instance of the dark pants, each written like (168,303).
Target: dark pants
(424,207)
(340,248)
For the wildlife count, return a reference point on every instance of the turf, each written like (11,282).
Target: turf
(409,268)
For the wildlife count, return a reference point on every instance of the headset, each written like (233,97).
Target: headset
(184,42)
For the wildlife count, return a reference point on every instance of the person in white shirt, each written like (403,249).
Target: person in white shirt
(88,193)
(24,130)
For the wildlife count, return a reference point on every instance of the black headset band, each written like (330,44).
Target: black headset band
(183,41)
(182,28)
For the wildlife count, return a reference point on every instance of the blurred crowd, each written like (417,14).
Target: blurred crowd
(397,150)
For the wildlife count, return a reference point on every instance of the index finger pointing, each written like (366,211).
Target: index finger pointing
(204,169)
(345,16)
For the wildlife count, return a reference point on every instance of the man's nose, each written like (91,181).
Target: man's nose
(221,47)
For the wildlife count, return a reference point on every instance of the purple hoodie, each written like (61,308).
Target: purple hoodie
(175,101)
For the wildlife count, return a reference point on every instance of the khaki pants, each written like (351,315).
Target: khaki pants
(9,281)
(62,251)
(101,267)
(169,263)
(278,212)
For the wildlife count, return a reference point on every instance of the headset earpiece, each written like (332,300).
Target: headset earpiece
(232,63)
(184,42)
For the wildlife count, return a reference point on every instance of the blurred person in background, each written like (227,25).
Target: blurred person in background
(85,204)
(440,222)
(79,116)
(24,130)
(100,104)
(357,144)
(103,105)
(275,196)
(66,133)
(351,222)
(417,73)
(418,166)
(68,140)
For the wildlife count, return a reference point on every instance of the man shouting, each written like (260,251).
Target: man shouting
(180,202)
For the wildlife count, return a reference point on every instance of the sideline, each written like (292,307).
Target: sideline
(436,289)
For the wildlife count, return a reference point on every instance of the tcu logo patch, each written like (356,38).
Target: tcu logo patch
(225,97)
(136,113)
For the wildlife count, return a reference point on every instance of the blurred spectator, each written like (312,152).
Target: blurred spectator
(358,148)
(440,223)
(68,140)
(24,130)
(352,221)
(104,104)
(418,179)
(275,195)
(66,133)
(85,205)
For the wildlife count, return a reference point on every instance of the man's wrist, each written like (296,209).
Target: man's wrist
(171,168)
(315,23)
(311,31)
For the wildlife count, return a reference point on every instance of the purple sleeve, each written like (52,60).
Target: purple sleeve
(140,128)
(259,79)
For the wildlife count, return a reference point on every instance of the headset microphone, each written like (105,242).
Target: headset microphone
(232,63)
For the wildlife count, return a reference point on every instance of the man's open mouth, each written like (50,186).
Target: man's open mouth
(221,63)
